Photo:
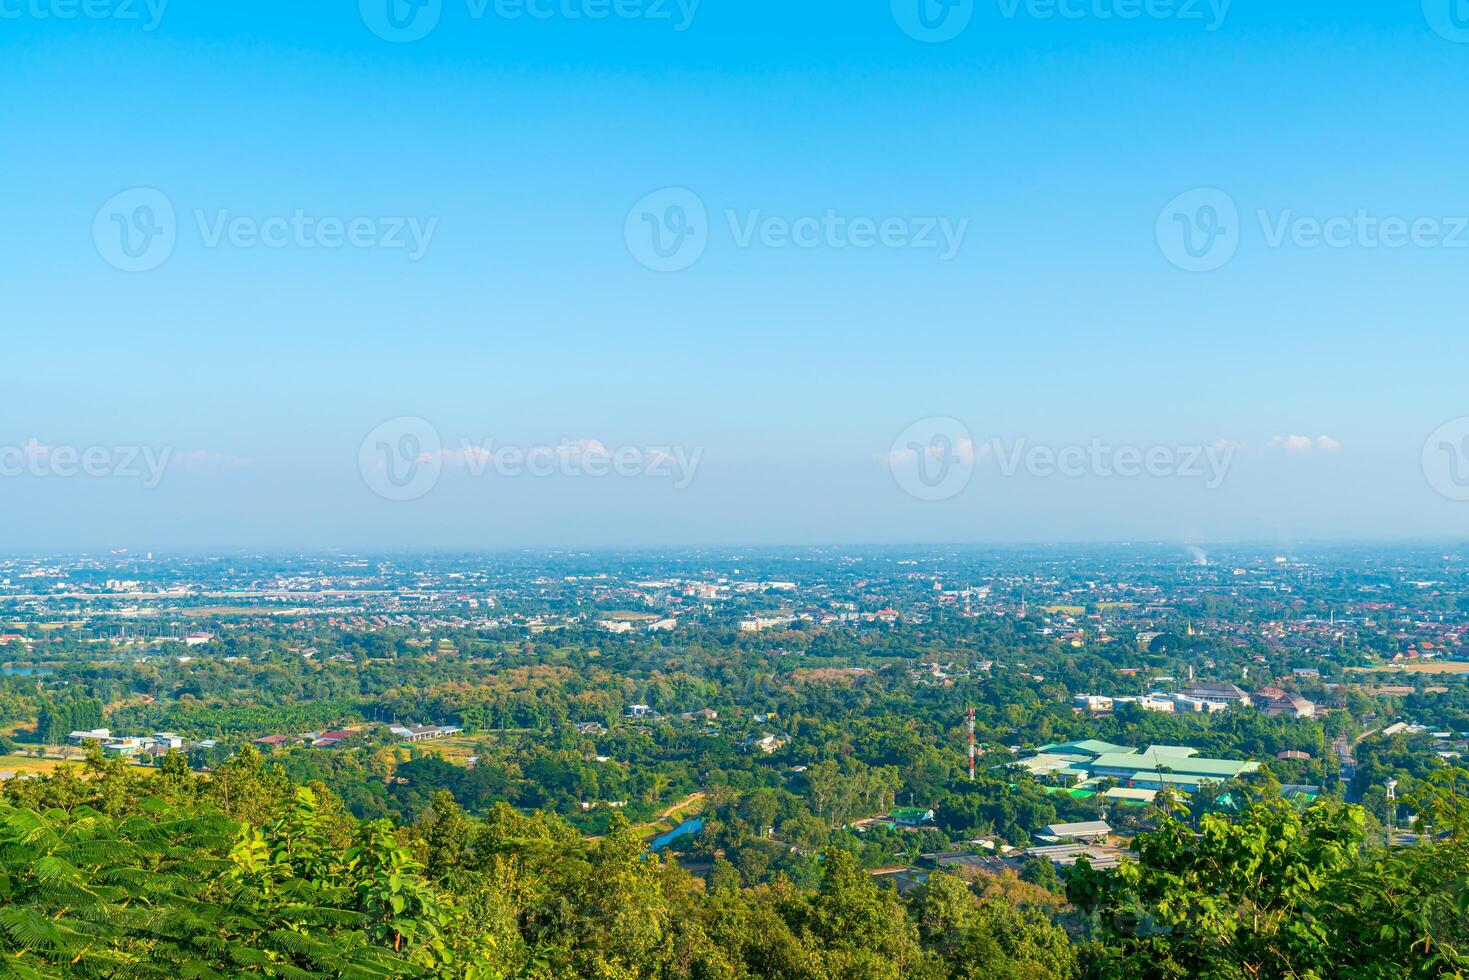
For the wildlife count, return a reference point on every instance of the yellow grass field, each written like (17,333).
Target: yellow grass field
(26,763)
(1428,667)
(455,750)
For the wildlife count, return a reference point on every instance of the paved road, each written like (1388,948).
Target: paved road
(1346,754)
(1348,760)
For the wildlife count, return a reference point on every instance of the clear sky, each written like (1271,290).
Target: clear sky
(241,238)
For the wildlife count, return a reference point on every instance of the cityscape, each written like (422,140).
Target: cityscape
(734,490)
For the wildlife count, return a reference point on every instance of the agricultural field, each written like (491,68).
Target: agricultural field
(1422,667)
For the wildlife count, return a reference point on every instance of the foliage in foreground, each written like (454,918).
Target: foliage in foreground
(1277,893)
(126,873)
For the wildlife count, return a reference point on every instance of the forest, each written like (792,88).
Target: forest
(118,871)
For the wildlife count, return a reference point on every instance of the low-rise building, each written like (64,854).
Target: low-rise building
(1231,695)
(423,733)
(1090,830)
(1090,761)
(1275,702)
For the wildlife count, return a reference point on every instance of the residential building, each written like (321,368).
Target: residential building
(1275,702)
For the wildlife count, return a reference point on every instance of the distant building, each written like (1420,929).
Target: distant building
(911,816)
(1089,830)
(1089,761)
(1275,702)
(423,733)
(766,743)
(758,624)
(703,714)
(330,740)
(615,625)
(1066,855)
(1218,692)
(1184,704)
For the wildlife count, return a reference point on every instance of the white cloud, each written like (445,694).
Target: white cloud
(964,451)
(1305,444)
(1292,444)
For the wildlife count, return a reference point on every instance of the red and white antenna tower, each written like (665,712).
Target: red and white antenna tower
(971,745)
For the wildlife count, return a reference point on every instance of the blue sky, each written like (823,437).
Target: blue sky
(524,143)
